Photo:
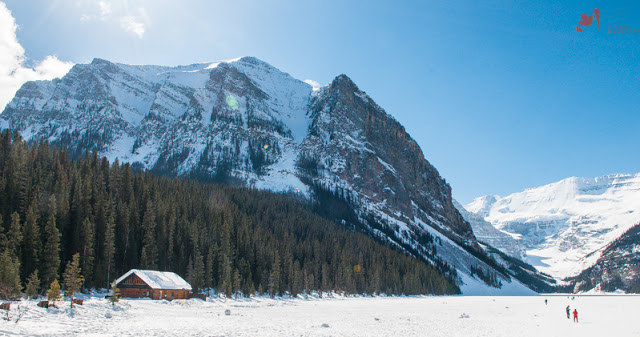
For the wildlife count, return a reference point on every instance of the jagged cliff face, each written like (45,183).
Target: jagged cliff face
(487,233)
(246,122)
(365,148)
(618,267)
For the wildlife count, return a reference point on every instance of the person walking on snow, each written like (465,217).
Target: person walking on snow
(568,312)
(575,315)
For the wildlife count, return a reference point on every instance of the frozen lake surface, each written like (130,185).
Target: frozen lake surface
(337,316)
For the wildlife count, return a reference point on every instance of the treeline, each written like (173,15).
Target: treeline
(234,240)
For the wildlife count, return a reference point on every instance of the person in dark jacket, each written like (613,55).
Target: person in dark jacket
(568,312)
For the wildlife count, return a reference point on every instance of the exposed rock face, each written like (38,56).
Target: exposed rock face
(485,232)
(367,149)
(618,267)
(246,122)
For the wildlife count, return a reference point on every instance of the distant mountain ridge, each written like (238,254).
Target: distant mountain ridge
(565,226)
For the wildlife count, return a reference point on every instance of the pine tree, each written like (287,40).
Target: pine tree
(297,283)
(198,272)
(274,278)
(225,236)
(9,277)
(4,242)
(190,272)
(14,236)
(20,177)
(72,277)
(115,293)
(149,255)
(50,263)
(237,281)
(208,270)
(99,227)
(326,283)
(33,285)
(225,275)
(109,248)
(31,241)
(54,294)
(87,242)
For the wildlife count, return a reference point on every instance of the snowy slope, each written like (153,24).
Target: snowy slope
(564,225)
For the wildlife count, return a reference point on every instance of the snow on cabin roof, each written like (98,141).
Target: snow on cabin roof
(158,279)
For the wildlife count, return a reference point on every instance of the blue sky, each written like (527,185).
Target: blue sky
(500,95)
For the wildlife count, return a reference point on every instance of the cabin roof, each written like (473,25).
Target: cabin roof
(158,279)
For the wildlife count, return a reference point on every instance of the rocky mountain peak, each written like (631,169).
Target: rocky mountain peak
(98,61)
(344,83)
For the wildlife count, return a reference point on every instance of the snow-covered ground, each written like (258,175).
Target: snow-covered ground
(337,316)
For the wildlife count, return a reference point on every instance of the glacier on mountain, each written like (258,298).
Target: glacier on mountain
(564,225)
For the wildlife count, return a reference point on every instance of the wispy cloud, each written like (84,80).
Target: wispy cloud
(133,25)
(98,11)
(136,22)
(105,9)
(13,73)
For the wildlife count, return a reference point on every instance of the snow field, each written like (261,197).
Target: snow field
(336,316)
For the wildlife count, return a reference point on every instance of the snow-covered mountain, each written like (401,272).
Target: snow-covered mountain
(487,233)
(565,225)
(245,122)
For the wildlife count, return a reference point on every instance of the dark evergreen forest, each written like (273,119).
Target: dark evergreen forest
(232,239)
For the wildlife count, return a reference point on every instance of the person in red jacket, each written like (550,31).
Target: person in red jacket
(575,315)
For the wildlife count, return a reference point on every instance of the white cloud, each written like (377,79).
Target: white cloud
(313,83)
(13,73)
(97,11)
(136,24)
(144,16)
(105,9)
(133,25)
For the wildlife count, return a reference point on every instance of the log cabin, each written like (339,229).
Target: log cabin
(157,285)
